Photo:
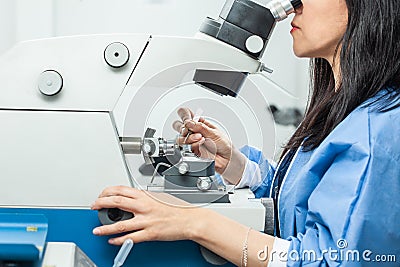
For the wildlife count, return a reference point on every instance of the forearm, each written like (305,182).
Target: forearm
(227,238)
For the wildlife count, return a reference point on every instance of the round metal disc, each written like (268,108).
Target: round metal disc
(50,82)
(254,44)
(116,55)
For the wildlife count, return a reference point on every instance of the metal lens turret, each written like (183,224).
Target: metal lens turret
(280,9)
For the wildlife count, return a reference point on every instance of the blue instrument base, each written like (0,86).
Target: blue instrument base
(76,225)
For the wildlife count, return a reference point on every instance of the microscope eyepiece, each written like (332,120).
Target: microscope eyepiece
(280,9)
(296,3)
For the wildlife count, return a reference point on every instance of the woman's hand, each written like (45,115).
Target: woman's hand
(158,216)
(162,217)
(208,141)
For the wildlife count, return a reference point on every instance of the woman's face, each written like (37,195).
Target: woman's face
(318,27)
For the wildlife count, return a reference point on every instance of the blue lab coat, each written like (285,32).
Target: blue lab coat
(344,195)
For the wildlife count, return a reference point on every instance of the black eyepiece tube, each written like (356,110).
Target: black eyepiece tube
(296,3)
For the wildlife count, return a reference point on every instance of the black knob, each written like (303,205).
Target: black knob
(113,215)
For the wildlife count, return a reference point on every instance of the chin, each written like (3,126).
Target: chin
(299,52)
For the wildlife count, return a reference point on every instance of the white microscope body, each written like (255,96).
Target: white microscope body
(60,144)
(61,150)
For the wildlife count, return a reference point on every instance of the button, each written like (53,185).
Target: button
(50,82)
(116,55)
(254,44)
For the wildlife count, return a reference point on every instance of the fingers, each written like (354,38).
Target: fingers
(136,228)
(209,124)
(180,128)
(122,197)
(193,138)
(117,228)
(136,237)
(125,191)
(200,127)
(196,146)
(210,147)
(177,126)
(123,203)
(185,114)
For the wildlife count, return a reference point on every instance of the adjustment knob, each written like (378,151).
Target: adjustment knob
(204,183)
(183,168)
(50,82)
(254,44)
(116,55)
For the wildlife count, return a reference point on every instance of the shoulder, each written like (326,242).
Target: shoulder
(384,132)
(383,112)
(365,129)
(369,128)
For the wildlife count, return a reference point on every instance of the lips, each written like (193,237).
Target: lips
(294,27)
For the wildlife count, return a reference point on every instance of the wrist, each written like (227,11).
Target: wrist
(235,167)
(195,228)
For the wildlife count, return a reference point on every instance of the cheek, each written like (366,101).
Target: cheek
(306,41)
(316,41)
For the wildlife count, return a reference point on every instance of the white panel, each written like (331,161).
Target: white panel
(88,82)
(34,19)
(62,159)
(60,254)
(63,254)
(167,17)
(7,24)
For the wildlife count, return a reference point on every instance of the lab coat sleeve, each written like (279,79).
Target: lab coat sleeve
(353,213)
(258,173)
(251,175)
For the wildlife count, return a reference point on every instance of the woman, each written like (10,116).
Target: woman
(338,180)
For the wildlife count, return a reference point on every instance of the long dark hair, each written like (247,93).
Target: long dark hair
(369,61)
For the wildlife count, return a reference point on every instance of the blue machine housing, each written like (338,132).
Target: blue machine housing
(22,238)
(76,225)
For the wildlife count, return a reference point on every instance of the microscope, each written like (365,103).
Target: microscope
(62,141)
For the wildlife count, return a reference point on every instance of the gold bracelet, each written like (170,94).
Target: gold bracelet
(243,260)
